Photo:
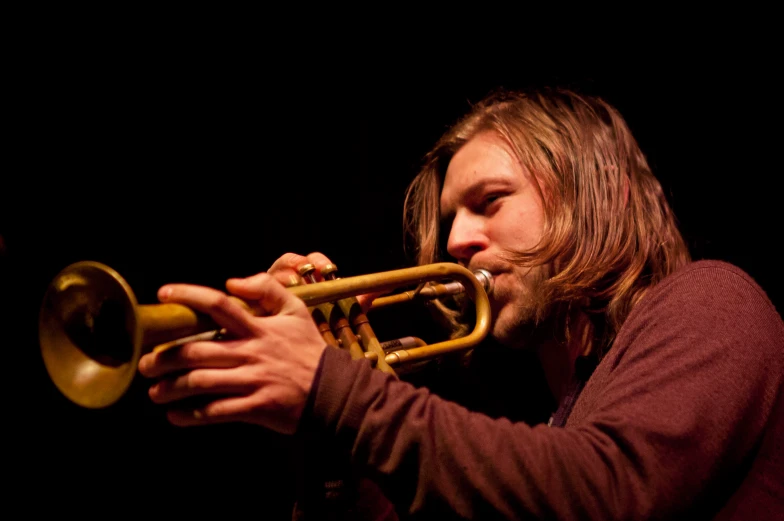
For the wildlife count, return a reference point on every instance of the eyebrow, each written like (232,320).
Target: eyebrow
(477,188)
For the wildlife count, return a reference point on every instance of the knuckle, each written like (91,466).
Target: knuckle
(267,278)
(317,256)
(292,260)
(319,260)
(220,302)
(190,354)
(264,280)
(250,355)
(282,275)
(299,306)
(196,381)
(217,410)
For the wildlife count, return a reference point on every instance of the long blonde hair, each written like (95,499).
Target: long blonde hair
(609,232)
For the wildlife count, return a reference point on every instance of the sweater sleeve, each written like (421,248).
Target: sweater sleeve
(675,407)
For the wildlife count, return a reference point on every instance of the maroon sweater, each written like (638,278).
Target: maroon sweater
(672,424)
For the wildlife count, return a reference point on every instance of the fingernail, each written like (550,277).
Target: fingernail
(164,293)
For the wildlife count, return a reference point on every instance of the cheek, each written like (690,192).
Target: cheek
(532,222)
(518,230)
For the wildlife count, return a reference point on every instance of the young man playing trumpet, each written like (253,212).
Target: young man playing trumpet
(666,372)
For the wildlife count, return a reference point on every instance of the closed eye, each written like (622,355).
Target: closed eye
(489,203)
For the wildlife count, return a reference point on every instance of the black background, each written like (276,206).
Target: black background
(197,160)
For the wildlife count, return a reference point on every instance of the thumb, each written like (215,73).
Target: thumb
(366,300)
(272,297)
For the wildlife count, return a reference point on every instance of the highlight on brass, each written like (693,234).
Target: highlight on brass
(92,331)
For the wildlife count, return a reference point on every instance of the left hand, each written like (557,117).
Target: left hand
(262,374)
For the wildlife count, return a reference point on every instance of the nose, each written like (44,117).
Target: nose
(466,237)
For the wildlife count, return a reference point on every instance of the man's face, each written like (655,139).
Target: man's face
(493,206)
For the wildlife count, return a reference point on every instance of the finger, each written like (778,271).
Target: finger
(290,263)
(224,310)
(191,356)
(366,300)
(287,270)
(221,410)
(199,382)
(319,261)
(272,297)
(285,267)
(237,409)
(287,277)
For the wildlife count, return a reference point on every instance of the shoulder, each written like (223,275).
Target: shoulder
(707,274)
(713,285)
(701,354)
(707,303)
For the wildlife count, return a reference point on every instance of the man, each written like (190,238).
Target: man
(666,372)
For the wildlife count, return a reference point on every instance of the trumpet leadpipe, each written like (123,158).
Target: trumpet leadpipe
(433,291)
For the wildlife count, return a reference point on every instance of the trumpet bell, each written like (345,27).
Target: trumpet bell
(90,334)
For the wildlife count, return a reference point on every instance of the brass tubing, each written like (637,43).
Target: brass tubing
(348,340)
(372,345)
(331,290)
(92,331)
(360,324)
(476,292)
(319,315)
(406,342)
(163,322)
(387,281)
(322,313)
(425,293)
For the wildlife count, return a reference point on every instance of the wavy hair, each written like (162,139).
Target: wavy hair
(609,232)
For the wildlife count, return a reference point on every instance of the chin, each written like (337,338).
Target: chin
(513,325)
(507,331)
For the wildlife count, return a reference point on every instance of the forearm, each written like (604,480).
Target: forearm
(430,455)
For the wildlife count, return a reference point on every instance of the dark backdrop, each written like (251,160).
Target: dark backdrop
(197,165)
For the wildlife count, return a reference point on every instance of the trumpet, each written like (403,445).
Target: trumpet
(92,331)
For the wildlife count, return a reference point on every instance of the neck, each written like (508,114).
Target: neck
(558,355)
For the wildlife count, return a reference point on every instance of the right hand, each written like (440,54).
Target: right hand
(285,270)
(262,373)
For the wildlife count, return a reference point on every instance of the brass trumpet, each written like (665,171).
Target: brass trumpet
(92,331)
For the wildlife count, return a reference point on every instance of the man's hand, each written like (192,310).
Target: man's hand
(262,374)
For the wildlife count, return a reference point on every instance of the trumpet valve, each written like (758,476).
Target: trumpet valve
(308,272)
